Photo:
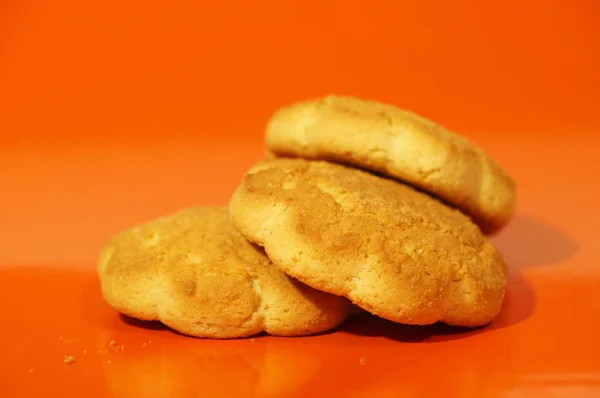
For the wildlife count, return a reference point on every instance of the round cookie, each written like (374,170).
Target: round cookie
(399,144)
(392,250)
(195,273)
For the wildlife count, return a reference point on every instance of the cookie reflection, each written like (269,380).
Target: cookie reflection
(199,368)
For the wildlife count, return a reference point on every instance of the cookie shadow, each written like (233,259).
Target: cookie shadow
(519,304)
(148,325)
(161,327)
(531,242)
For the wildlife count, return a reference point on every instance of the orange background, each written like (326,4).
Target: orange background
(118,70)
(115,112)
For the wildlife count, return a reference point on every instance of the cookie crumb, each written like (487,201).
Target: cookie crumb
(143,345)
(109,362)
(252,340)
(84,351)
(362,361)
(31,370)
(69,359)
(112,343)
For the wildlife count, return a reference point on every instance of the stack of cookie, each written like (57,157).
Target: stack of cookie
(360,205)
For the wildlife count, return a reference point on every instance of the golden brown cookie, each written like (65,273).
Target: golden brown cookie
(398,144)
(392,250)
(195,273)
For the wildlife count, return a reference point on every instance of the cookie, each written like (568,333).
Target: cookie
(195,273)
(392,250)
(399,144)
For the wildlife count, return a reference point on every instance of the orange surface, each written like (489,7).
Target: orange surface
(116,112)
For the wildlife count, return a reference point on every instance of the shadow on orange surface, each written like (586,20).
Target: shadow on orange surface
(150,325)
(531,242)
(519,305)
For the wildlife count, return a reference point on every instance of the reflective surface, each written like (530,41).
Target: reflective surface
(543,342)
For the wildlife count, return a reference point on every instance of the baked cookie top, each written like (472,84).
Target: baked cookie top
(399,144)
(195,273)
(392,250)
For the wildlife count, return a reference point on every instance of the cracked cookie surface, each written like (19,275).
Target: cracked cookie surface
(399,144)
(195,273)
(394,251)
